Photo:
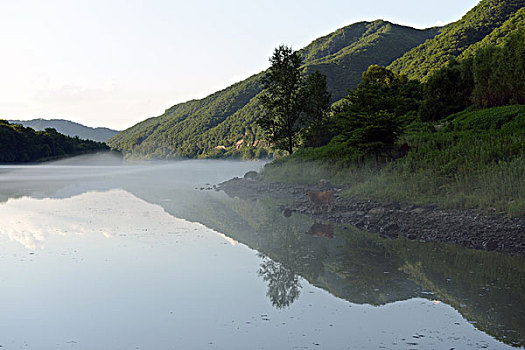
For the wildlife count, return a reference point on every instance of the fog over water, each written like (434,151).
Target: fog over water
(101,254)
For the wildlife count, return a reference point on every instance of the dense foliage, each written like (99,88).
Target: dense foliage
(21,144)
(223,124)
(463,37)
(370,118)
(494,76)
(447,91)
(498,35)
(499,73)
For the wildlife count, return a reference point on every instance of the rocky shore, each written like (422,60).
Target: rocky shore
(467,228)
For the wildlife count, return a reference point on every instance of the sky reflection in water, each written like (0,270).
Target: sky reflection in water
(107,270)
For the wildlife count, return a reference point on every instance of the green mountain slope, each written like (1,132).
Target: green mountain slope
(178,130)
(224,122)
(497,36)
(68,128)
(378,43)
(480,26)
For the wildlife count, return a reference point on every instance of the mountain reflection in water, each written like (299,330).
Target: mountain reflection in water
(294,251)
(488,289)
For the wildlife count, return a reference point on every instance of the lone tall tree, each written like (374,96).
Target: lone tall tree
(281,99)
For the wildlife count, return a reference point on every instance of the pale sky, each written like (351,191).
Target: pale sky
(114,63)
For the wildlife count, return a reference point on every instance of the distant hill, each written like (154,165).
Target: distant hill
(24,144)
(69,128)
(487,23)
(223,123)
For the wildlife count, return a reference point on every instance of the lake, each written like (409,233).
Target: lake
(102,255)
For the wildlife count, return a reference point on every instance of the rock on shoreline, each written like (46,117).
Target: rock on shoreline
(467,228)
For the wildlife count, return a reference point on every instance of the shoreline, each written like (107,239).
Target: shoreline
(467,228)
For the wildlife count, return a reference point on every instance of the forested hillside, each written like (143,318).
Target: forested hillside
(344,55)
(456,140)
(487,23)
(69,128)
(223,124)
(498,35)
(21,144)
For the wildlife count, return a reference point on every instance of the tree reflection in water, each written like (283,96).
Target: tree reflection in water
(287,256)
(283,283)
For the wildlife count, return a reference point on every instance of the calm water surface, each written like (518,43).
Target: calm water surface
(107,256)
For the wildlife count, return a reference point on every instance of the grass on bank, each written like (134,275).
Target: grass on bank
(473,159)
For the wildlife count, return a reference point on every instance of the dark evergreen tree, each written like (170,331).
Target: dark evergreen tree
(316,106)
(371,133)
(370,118)
(447,91)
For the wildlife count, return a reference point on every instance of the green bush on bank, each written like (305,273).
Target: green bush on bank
(473,159)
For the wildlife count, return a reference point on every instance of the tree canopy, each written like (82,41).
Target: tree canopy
(499,73)
(370,118)
(447,91)
(295,108)
(494,76)
(281,99)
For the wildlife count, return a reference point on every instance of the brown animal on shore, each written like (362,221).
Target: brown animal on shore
(320,199)
(321,230)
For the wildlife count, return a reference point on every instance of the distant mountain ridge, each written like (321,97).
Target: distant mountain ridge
(69,128)
(223,123)
(345,54)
